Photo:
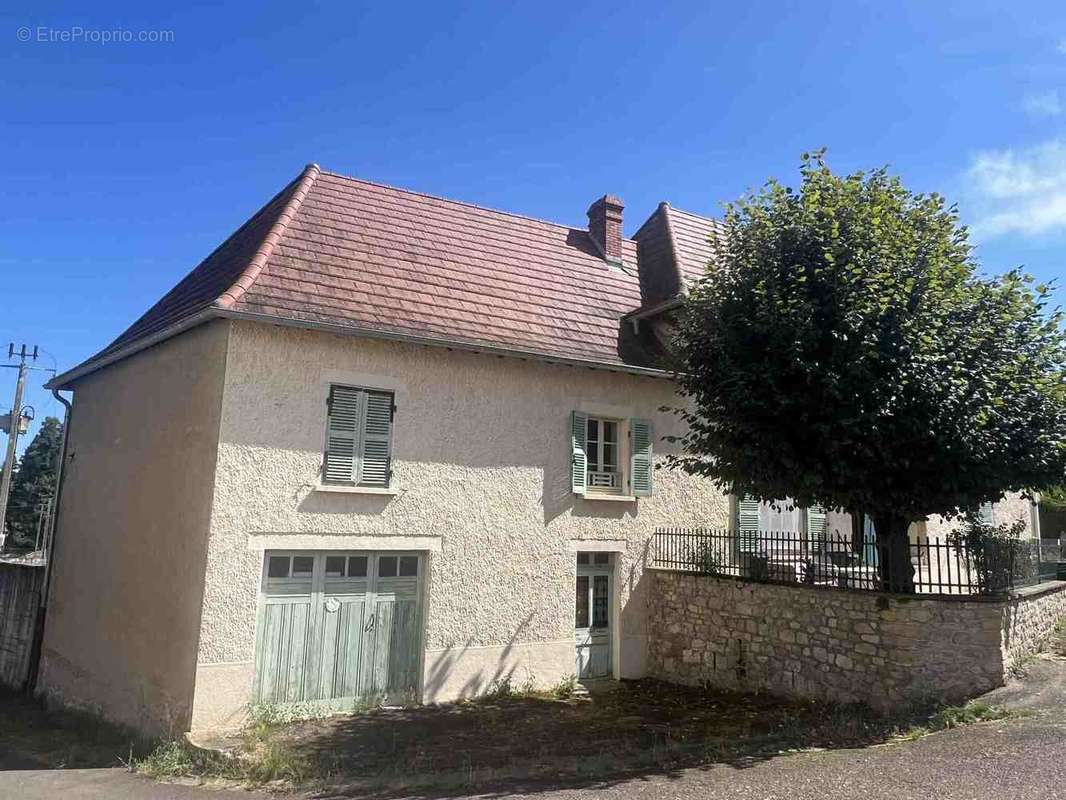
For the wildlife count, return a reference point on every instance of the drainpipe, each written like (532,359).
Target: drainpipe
(49,549)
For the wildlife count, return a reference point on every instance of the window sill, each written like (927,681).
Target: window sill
(614,498)
(329,488)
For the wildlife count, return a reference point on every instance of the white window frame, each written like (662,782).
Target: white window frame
(621,446)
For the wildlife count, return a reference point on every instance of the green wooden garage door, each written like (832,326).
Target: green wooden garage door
(339,629)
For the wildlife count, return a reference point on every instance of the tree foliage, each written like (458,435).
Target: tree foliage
(33,485)
(843,350)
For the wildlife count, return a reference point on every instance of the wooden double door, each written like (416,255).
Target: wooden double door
(339,629)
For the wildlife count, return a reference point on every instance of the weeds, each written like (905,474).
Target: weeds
(950,717)
(564,689)
(264,758)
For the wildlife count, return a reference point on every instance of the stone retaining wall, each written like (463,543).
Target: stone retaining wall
(1028,618)
(847,646)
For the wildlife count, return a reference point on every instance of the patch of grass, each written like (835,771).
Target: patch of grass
(169,760)
(949,717)
(265,756)
(270,760)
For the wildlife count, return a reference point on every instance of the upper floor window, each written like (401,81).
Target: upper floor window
(601,450)
(610,456)
(358,437)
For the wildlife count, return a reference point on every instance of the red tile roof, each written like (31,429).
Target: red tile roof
(692,240)
(375,260)
(674,248)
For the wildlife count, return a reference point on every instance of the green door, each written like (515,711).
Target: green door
(339,629)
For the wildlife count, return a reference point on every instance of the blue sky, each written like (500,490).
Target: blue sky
(125,163)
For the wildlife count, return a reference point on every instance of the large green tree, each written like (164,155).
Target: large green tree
(33,485)
(842,349)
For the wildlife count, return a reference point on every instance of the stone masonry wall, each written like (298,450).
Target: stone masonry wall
(1028,619)
(879,649)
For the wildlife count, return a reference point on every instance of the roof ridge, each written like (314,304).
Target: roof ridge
(714,220)
(466,203)
(233,294)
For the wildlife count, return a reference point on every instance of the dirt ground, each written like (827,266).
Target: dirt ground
(521,741)
(686,741)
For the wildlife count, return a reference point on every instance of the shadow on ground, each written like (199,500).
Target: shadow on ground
(521,743)
(33,738)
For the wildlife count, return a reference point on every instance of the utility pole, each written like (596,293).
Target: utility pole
(14,427)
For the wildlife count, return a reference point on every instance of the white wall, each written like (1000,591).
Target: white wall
(482,460)
(131,536)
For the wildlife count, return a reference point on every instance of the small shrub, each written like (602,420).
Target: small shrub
(996,552)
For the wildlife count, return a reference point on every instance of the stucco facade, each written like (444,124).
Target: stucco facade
(124,612)
(163,528)
(481,464)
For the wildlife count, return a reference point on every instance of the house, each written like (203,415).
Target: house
(377,447)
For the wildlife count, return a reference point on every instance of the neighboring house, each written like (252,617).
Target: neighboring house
(377,446)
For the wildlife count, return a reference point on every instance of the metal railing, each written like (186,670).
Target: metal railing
(939,567)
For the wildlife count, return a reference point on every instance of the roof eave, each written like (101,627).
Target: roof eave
(451,344)
(64,380)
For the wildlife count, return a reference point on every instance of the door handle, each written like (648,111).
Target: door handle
(370,624)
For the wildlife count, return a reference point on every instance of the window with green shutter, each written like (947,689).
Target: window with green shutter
(606,458)
(816,526)
(748,515)
(358,437)
(578,443)
(640,464)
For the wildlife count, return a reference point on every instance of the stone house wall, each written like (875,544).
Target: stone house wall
(846,646)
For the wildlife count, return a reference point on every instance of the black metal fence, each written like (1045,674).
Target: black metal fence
(941,568)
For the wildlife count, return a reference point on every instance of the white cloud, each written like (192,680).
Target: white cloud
(1042,104)
(1018,191)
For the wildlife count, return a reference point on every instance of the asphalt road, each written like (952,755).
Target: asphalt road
(1022,758)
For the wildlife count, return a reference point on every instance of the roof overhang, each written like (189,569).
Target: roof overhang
(644,312)
(65,380)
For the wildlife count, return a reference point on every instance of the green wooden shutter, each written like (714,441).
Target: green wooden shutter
(816,525)
(343,427)
(986,514)
(578,434)
(375,453)
(747,524)
(640,466)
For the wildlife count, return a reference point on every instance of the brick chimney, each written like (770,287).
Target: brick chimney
(605,227)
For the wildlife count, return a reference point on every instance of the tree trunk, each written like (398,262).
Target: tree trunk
(894,553)
(858,538)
